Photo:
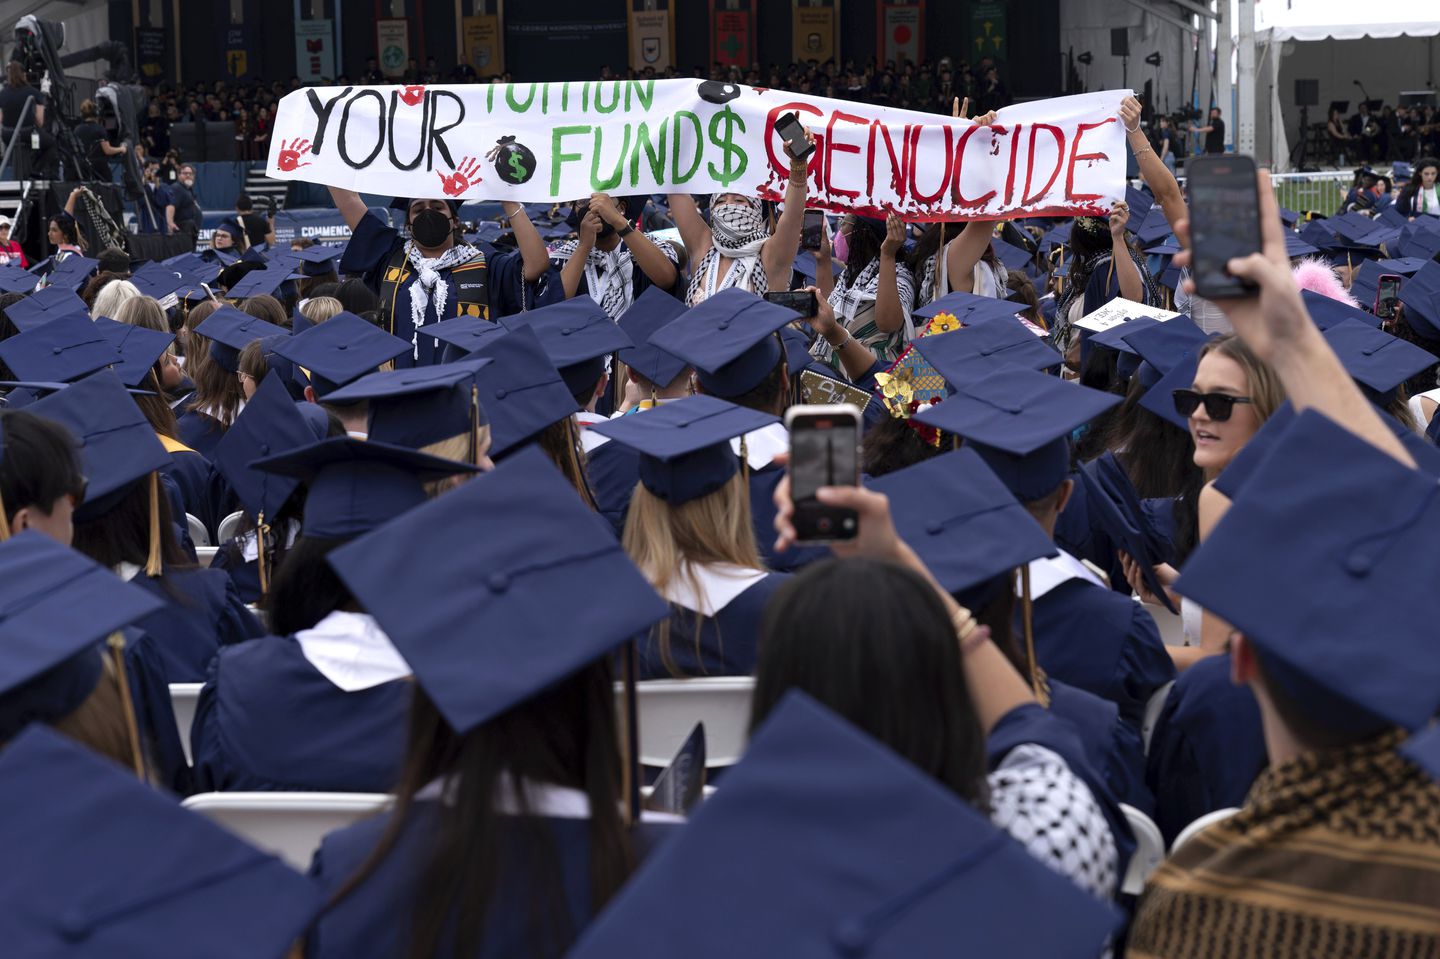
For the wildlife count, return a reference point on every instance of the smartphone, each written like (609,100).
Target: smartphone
(1224,204)
(1387,294)
(812,230)
(792,131)
(801,301)
(824,451)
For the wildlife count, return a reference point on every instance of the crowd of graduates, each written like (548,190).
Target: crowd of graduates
(1125,558)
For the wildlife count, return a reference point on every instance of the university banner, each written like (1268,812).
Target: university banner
(652,35)
(314,50)
(392,39)
(732,33)
(900,31)
(483,49)
(812,30)
(551,142)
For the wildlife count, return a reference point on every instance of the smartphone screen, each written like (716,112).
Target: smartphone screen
(801,301)
(792,131)
(812,229)
(824,451)
(1386,296)
(1224,221)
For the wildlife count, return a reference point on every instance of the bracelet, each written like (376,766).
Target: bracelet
(849,338)
(1134,129)
(967,629)
(1141,153)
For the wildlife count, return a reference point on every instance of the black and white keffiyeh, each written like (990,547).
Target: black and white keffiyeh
(610,277)
(737,231)
(428,284)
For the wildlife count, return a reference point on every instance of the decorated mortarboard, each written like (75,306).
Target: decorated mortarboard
(1421,296)
(1011,255)
(318,260)
(1296,247)
(1115,509)
(139,349)
(270,424)
(230,330)
(1374,358)
(355,485)
(63,349)
(792,843)
(258,283)
(961,519)
(807,267)
(968,308)
(976,350)
(1327,311)
(526,558)
(118,446)
(1020,422)
(42,306)
(1165,345)
(649,312)
(1331,584)
(340,351)
(118,868)
(684,446)
(520,390)
(912,383)
(465,334)
(1116,312)
(72,272)
(15,280)
(729,339)
(577,335)
(56,605)
(423,405)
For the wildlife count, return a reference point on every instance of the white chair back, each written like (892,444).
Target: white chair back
(1153,707)
(206,554)
(288,824)
(227,529)
(199,535)
(183,699)
(1201,824)
(1171,626)
(669,708)
(1149,850)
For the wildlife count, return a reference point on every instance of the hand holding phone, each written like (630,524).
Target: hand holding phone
(792,131)
(801,301)
(812,230)
(824,451)
(1224,206)
(1387,294)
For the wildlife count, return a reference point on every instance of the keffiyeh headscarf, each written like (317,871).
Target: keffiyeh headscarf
(429,284)
(738,231)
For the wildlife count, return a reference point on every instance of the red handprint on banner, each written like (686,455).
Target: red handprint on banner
(291,152)
(412,95)
(466,175)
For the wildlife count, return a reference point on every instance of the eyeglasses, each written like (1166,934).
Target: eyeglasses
(1218,406)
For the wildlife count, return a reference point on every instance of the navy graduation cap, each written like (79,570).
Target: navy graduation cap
(318,260)
(976,350)
(520,390)
(1019,421)
(63,349)
(535,587)
(118,868)
(577,336)
(729,339)
(138,349)
(271,424)
(684,446)
(823,842)
(1116,509)
(463,335)
(1159,398)
(56,606)
(1421,296)
(1419,239)
(1332,584)
(1165,345)
(340,350)
(806,266)
(1295,247)
(1374,358)
(230,330)
(42,306)
(257,283)
(1011,255)
(649,312)
(15,280)
(961,520)
(356,485)
(156,280)
(72,272)
(423,405)
(1327,312)
(968,308)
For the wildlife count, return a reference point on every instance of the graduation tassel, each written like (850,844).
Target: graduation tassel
(4,523)
(262,533)
(1028,620)
(116,642)
(474,424)
(745,462)
(630,772)
(153,565)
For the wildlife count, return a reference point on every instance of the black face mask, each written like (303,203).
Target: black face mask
(577,213)
(430,228)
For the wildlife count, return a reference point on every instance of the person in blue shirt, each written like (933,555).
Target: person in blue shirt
(155,210)
(427,274)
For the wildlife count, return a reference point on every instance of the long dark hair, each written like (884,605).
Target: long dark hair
(864,248)
(566,736)
(931,239)
(304,589)
(871,641)
(122,533)
(1412,189)
(891,445)
(39,463)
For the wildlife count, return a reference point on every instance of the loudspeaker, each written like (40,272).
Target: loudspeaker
(1307,93)
(1119,42)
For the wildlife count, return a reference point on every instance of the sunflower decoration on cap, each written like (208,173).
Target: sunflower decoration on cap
(912,384)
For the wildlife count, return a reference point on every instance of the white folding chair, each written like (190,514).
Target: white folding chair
(1149,850)
(1153,707)
(1200,825)
(205,555)
(1171,626)
(183,699)
(669,708)
(198,534)
(227,529)
(288,824)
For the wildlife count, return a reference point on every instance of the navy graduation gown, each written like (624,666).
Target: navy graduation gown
(204,612)
(190,472)
(154,713)
(612,470)
(269,720)
(728,641)
(200,432)
(374,920)
(762,511)
(1101,642)
(244,574)
(1115,748)
(1207,747)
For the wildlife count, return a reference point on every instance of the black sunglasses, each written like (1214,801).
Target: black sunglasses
(1218,406)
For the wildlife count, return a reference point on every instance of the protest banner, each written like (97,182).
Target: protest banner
(1121,310)
(553,142)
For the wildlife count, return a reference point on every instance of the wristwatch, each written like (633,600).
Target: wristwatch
(625,231)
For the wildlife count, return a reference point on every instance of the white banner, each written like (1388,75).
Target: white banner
(553,142)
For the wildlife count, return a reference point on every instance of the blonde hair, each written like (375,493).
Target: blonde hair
(666,542)
(1267,393)
(321,308)
(113,296)
(142,311)
(456,448)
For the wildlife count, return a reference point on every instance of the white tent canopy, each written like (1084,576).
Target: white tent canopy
(1342,20)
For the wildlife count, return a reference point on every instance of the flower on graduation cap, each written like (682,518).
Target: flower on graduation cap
(926,432)
(942,323)
(897,389)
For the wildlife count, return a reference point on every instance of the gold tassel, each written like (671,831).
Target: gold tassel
(745,462)
(153,564)
(116,642)
(4,522)
(1027,615)
(262,532)
(474,424)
